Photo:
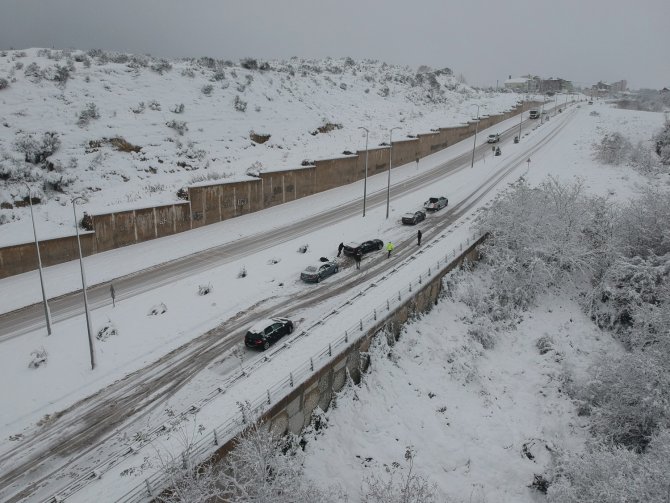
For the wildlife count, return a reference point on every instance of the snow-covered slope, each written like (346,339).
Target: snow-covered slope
(131,130)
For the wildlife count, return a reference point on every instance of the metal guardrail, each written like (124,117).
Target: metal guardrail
(200,451)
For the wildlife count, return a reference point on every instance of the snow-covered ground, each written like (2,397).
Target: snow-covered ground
(512,397)
(288,102)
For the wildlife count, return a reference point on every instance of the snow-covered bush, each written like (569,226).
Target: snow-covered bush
(33,72)
(39,358)
(249,63)
(205,289)
(161,66)
(605,474)
(3,84)
(89,113)
(242,273)
(630,397)
(537,239)
(157,309)
(239,104)
(662,140)
(266,466)
(614,148)
(36,151)
(178,109)
(398,487)
(644,159)
(207,89)
(179,126)
(106,331)
(139,108)
(155,106)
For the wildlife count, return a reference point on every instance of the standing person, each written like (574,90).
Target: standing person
(339,249)
(358,255)
(389,249)
(418,237)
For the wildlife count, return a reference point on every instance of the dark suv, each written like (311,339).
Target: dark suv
(267,332)
(365,247)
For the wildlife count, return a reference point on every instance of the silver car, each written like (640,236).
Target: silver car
(315,273)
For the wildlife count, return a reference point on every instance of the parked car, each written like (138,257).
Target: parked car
(267,332)
(365,247)
(436,203)
(493,138)
(315,273)
(413,218)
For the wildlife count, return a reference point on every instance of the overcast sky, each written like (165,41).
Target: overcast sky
(486,41)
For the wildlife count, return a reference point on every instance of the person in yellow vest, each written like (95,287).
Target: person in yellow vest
(389,249)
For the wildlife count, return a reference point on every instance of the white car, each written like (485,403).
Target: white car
(493,138)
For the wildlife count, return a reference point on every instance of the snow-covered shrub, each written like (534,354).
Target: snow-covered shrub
(255,169)
(662,140)
(39,358)
(207,89)
(398,487)
(242,273)
(89,113)
(179,126)
(614,148)
(204,289)
(178,109)
(644,159)
(36,151)
(537,240)
(139,108)
(239,104)
(249,64)
(630,398)
(58,181)
(33,72)
(154,105)
(218,75)
(106,331)
(3,84)
(605,474)
(266,466)
(188,72)
(303,248)
(544,344)
(161,66)
(157,309)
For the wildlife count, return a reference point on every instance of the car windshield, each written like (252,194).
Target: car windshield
(432,200)
(311,268)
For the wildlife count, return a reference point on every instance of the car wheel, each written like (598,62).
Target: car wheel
(318,278)
(379,247)
(290,328)
(337,269)
(266,345)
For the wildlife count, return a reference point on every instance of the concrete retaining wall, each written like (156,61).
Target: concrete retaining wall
(294,411)
(213,203)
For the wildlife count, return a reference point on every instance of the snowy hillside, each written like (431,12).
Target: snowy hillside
(129,131)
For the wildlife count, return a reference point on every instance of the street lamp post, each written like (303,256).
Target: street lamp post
(520,120)
(474,143)
(47,313)
(365,180)
(83,285)
(388,186)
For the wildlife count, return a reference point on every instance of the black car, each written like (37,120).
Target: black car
(365,247)
(413,218)
(315,273)
(267,332)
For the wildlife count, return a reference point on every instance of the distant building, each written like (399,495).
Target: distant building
(605,89)
(555,85)
(525,84)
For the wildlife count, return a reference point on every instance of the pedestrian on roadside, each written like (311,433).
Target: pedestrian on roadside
(389,249)
(418,237)
(339,249)
(358,255)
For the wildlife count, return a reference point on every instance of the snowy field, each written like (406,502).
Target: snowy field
(210,139)
(485,404)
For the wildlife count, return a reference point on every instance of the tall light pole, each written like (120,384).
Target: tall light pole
(474,143)
(365,180)
(47,313)
(83,284)
(388,186)
(520,120)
